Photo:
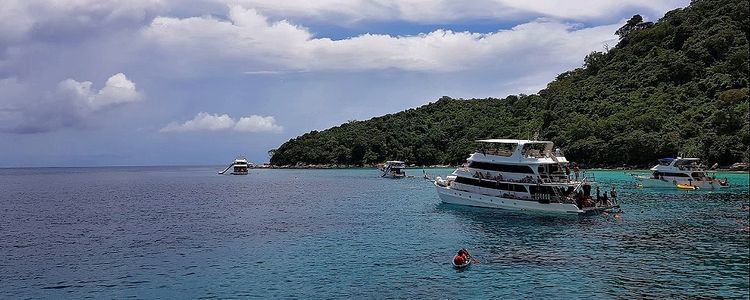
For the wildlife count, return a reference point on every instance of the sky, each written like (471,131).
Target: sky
(166,82)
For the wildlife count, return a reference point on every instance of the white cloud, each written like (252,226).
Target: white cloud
(442,11)
(20,19)
(251,41)
(117,90)
(215,122)
(25,108)
(257,124)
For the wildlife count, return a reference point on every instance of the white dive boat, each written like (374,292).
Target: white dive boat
(393,169)
(671,172)
(239,167)
(520,175)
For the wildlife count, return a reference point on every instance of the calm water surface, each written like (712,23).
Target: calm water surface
(185,232)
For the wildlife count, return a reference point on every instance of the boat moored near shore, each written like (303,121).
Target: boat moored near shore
(393,169)
(521,175)
(239,167)
(677,172)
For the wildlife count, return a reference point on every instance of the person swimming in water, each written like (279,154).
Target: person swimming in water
(463,257)
(463,252)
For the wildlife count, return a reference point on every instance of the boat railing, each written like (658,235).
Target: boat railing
(498,152)
(533,153)
(555,179)
(556,198)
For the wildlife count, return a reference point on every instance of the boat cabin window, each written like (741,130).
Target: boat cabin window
(501,168)
(675,174)
(499,149)
(658,174)
(491,184)
(549,169)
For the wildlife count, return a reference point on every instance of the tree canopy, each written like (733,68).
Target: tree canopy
(676,86)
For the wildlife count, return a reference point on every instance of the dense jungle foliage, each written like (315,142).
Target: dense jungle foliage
(676,86)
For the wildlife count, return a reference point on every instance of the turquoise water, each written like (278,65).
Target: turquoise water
(189,233)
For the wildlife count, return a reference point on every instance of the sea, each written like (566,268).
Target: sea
(187,232)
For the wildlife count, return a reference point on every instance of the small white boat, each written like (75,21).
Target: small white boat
(393,169)
(671,172)
(239,167)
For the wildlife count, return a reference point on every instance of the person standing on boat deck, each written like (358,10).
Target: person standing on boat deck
(576,170)
(567,171)
(598,195)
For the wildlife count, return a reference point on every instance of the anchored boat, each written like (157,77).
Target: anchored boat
(521,175)
(239,167)
(677,172)
(393,169)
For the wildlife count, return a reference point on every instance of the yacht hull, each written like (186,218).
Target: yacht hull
(450,196)
(648,182)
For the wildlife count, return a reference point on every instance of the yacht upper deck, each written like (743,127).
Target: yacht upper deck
(678,164)
(517,151)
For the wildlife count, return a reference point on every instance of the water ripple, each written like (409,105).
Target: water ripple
(188,233)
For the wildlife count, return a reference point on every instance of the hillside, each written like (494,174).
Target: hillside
(679,85)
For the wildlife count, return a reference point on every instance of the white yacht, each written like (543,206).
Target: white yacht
(239,167)
(520,175)
(671,172)
(393,169)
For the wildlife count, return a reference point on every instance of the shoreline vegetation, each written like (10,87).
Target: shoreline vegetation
(418,167)
(674,87)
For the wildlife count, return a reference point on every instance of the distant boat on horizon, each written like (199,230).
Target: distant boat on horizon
(239,167)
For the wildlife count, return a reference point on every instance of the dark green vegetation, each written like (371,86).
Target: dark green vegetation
(679,85)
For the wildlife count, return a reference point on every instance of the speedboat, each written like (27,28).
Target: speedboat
(393,169)
(520,175)
(676,172)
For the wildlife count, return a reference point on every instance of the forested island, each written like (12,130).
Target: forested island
(676,86)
